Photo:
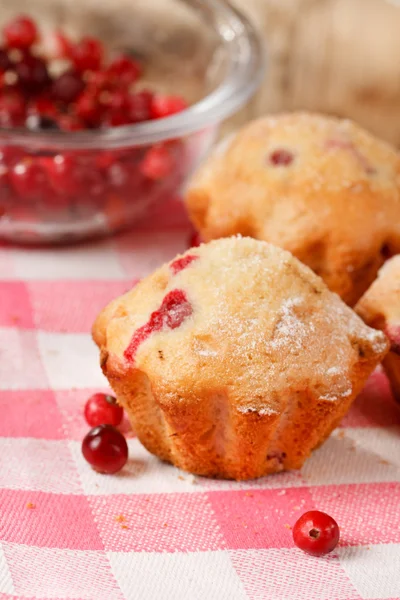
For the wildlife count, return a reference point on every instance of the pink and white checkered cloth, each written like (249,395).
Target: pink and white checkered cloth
(153,532)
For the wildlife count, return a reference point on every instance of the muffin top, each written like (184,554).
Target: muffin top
(237,314)
(320,187)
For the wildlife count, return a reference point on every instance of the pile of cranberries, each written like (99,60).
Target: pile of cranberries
(104,447)
(80,87)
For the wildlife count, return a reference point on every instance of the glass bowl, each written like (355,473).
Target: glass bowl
(203,50)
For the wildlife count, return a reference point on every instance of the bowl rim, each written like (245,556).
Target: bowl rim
(245,68)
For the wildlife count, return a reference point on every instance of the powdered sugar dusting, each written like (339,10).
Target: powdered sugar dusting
(291,343)
(376,338)
(204,352)
(334,371)
(289,327)
(333,396)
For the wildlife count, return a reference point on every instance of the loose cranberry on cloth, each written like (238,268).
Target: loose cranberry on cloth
(105,449)
(151,532)
(316,533)
(102,409)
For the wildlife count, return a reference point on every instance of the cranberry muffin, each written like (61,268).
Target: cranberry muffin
(380,308)
(320,187)
(235,360)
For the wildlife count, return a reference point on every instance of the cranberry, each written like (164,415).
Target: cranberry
(52,199)
(63,174)
(32,73)
(67,87)
(116,118)
(3,175)
(4,186)
(88,108)
(99,81)
(5,61)
(106,160)
(105,449)
(10,155)
(157,163)
(20,33)
(165,106)
(70,123)
(63,45)
(102,409)
(118,105)
(119,100)
(175,309)
(12,108)
(42,105)
(140,106)
(87,55)
(117,173)
(27,179)
(316,533)
(181,263)
(93,181)
(125,69)
(195,240)
(281,158)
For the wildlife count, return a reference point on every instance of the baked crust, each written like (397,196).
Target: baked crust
(332,198)
(380,307)
(250,369)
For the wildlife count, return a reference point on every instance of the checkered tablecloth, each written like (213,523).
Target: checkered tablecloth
(153,532)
